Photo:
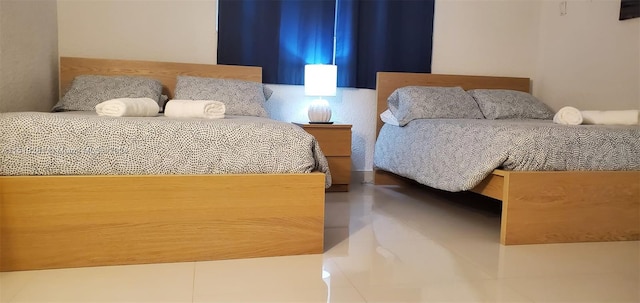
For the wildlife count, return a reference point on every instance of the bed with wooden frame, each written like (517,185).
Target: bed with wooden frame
(538,206)
(78,221)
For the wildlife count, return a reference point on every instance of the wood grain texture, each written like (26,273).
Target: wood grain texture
(558,207)
(340,167)
(492,186)
(335,142)
(165,72)
(75,221)
(538,207)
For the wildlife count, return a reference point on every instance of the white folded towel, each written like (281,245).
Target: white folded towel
(195,109)
(610,117)
(568,115)
(128,107)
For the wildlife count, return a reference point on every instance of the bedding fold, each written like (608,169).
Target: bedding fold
(208,109)
(568,115)
(128,107)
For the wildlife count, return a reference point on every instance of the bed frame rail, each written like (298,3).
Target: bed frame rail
(566,206)
(76,221)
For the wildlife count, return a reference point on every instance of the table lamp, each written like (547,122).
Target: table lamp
(320,80)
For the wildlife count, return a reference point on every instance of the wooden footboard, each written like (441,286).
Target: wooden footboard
(76,221)
(560,206)
(567,206)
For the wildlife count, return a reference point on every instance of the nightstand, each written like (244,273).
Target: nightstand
(335,143)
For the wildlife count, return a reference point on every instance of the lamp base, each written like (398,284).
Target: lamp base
(311,122)
(319,111)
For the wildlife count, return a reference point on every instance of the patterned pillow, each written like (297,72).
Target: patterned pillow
(510,104)
(241,98)
(432,102)
(87,91)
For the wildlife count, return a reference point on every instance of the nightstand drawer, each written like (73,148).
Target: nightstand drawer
(334,142)
(340,168)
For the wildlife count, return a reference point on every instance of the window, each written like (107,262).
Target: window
(284,35)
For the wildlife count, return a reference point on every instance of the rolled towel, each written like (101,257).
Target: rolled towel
(128,107)
(568,115)
(209,109)
(610,117)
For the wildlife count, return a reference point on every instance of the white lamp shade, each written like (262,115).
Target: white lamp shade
(320,79)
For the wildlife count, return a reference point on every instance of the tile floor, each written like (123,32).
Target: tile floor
(383,244)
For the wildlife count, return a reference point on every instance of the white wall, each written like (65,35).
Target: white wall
(177,30)
(588,58)
(480,37)
(485,37)
(28,55)
(350,105)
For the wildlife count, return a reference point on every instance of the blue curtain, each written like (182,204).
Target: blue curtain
(284,35)
(281,36)
(382,35)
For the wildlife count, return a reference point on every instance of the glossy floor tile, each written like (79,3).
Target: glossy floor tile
(382,244)
(171,282)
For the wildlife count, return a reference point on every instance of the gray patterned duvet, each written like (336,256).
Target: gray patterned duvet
(456,154)
(82,143)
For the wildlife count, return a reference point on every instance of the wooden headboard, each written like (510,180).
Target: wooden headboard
(387,82)
(166,72)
